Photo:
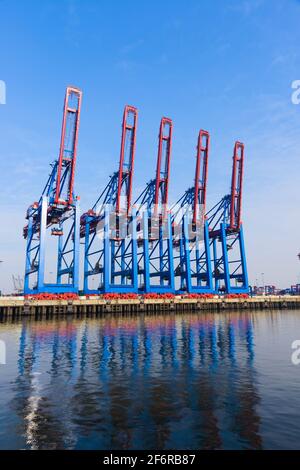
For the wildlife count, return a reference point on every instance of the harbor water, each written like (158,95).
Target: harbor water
(178,381)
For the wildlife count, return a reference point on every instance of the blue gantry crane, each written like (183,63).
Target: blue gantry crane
(226,234)
(56,213)
(108,229)
(155,253)
(142,247)
(192,261)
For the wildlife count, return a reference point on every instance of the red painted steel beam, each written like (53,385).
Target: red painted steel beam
(126,165)
(68,145)
(236,186)
(163,163)
(201,173)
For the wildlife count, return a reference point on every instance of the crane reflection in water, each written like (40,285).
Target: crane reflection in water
(149,382)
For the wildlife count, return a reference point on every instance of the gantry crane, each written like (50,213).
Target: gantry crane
(57,212)
(109,228)
(155,257)
(226,233)
(192,260)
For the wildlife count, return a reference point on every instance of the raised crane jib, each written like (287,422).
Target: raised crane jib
(60,184)
(63,193)
(126,165)
(163,163)
(200,185)
(236,187)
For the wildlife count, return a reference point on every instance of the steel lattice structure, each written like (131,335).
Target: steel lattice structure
(226,233)
(109,228)
(155,252)
(57,212)
(192,254)
(142,247)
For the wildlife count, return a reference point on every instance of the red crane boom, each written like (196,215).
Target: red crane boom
(236,186)
(201,173)
(68,147)
(163,163)
(127,153)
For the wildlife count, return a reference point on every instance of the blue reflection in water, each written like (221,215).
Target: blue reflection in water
(174,346)
(21,361)
(152,382)
(250,340)
(202,344)
(231,336)
(55,353)
(84,349)
(147,350)
(213,345)
(135,352)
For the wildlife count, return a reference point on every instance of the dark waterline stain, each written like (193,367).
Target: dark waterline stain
(207,381)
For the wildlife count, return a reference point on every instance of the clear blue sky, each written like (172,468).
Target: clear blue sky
(225,66)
